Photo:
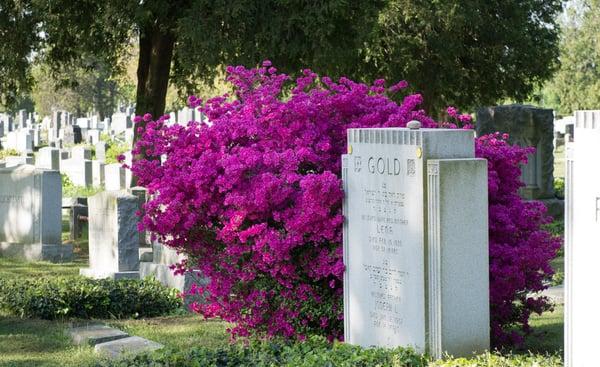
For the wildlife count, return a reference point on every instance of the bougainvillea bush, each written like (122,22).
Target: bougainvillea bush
(254,198)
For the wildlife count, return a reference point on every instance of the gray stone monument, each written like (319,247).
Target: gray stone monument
(416,241)
(113,236)
(527,126)
(30,214)
(582,236)
(160,269)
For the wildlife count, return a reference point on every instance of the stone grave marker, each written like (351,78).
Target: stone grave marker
(114,177)
(30,214)
(48,158)
(416,272)
(113,236)
(582,237)
(527,126)
(72,135)
(79,171)
(101,148)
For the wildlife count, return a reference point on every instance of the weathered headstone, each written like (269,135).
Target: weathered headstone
(527,126)
(582,234)
(30,214)
(140,193)
(416,271)
(113,236)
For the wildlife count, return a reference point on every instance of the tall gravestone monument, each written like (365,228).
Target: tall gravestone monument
(416,241)
(113,236)
(582,240)
(30,214)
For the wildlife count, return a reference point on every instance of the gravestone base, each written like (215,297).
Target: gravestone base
(116,275)
(165,276)
(37,252)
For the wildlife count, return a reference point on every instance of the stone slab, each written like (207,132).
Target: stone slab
(127,346)
(95,334)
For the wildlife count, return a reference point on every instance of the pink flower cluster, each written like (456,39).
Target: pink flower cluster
(254,198)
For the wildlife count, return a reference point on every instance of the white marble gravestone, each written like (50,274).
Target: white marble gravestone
(582,241)
(416,241)
(115,177)
(79,171)
(113,236)
(48,158)
(30,214)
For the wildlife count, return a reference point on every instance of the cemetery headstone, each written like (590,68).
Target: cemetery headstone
(30,214)
(113,236)
(101,148)
(416,272)
(79,171)
(48,158)
(159,268)
(114,177)
(97,173)
(582,231)
(81,153)
(72,135)
(527,126)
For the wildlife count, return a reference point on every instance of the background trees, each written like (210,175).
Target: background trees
(576,85)
(465,53)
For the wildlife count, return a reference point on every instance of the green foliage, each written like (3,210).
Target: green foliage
(79,297)
(465,53)
(317,352)
(71,190)
(8,153)
(115,149)
(78,89)
(576,85)
(19,34)
(559,187)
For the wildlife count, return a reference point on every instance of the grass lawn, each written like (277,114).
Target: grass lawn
(30,342)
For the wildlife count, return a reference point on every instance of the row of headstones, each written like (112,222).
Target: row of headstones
(77,164)
(31,227)
(114,243)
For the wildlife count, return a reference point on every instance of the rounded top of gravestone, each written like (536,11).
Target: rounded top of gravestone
(414,125)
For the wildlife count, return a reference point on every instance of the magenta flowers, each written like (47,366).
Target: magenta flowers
(254,198)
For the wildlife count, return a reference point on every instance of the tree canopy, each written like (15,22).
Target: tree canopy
(463,53)
(576,85)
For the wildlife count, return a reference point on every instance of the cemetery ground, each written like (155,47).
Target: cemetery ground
(36,342)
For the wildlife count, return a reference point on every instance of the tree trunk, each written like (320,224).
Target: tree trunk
(154,67)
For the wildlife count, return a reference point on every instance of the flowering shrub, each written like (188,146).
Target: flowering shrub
(255,198)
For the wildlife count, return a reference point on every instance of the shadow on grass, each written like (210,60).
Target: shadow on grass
(547,336)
